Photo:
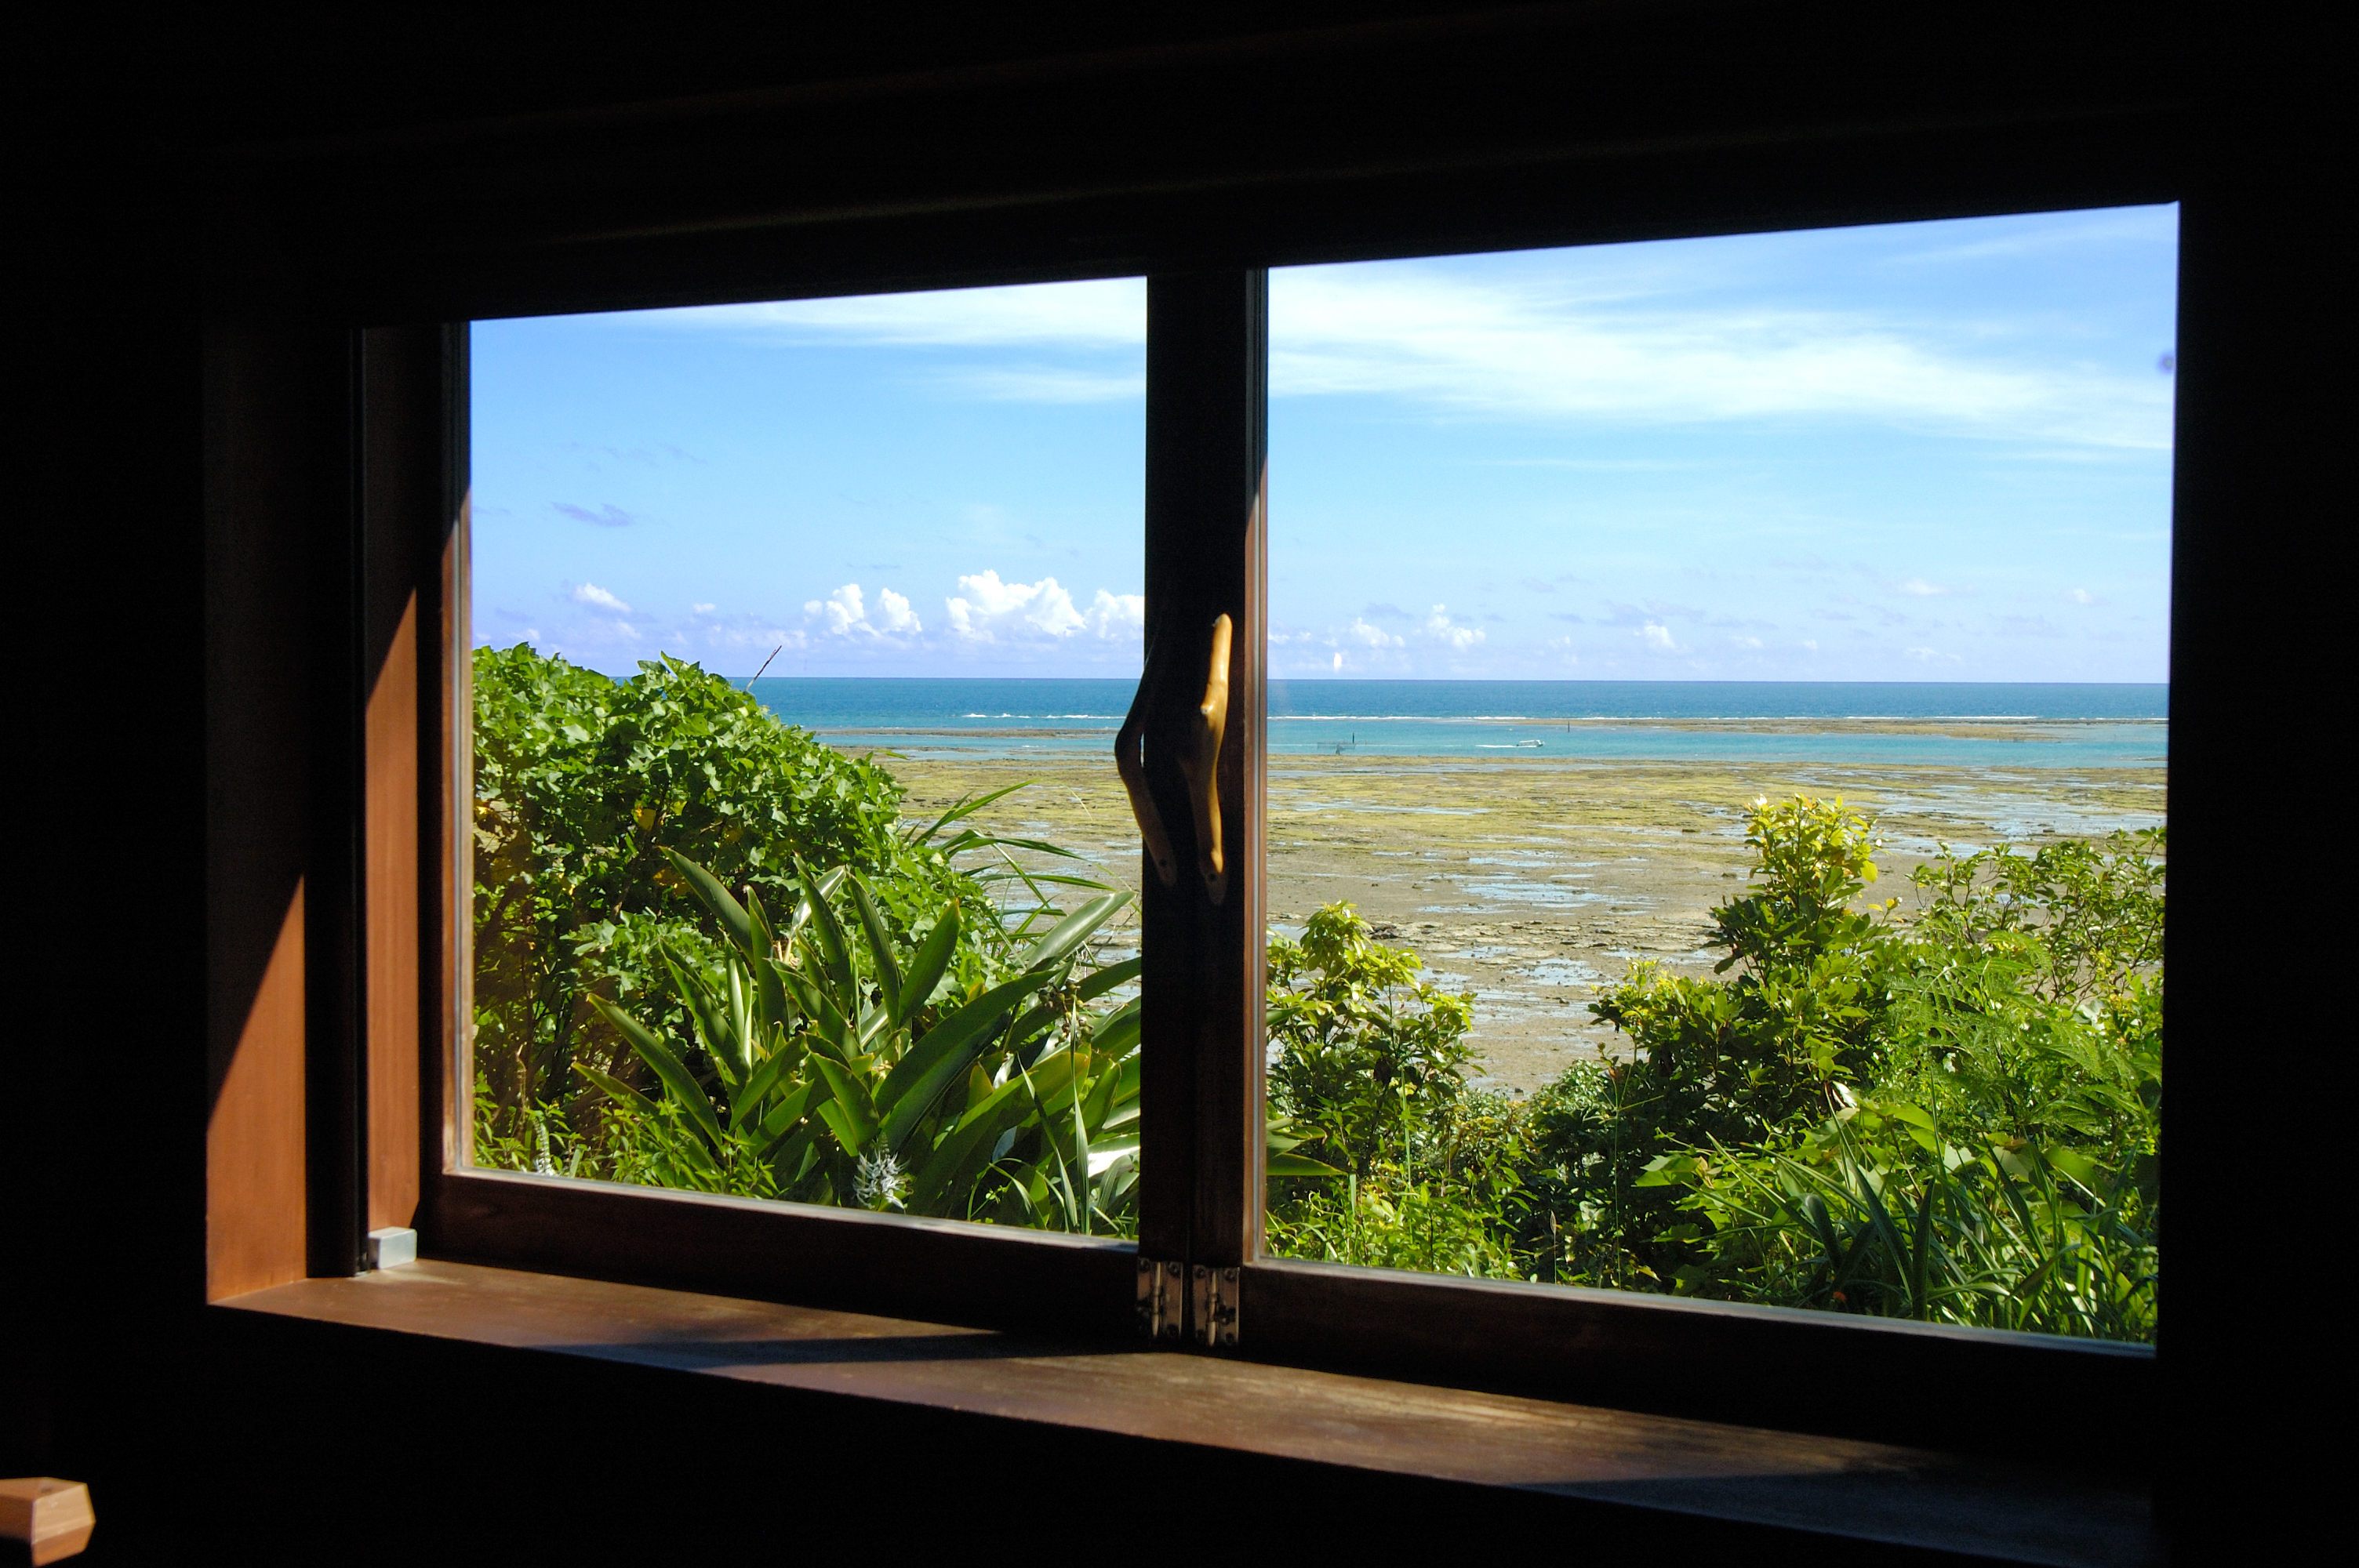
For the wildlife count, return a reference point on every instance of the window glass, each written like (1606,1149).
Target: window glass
(801,633)
(1717,775)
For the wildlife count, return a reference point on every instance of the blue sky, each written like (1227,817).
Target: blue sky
(1924,451)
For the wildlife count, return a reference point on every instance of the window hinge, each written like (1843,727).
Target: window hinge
(1160,1300)
(1211,1305)
(1216,1305)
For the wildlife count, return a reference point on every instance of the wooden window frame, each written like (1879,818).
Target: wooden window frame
(366,988)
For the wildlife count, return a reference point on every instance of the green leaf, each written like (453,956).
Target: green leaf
(968,807)
(736,923)
(677,1083)
(619,1091)
(835,954)
(712,1022)
(941,1053)
(848,1109)
(880,947)
(933,960)
(1107,978)
(1073,930)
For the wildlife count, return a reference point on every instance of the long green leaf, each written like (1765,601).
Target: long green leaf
(1073,930)
(880,947)
(835,954)
(736,923)
(620,1092)
(1107,978)
(712,1020)
(762,1080)
(933,962)
(677,1082)
(968,807)
(942,1054)
(857,1124)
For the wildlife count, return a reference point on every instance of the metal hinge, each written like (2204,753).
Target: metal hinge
(1209,1302)
(1160,1300)
(1215,1304)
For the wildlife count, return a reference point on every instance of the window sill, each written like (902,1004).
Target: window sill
(1783,1485)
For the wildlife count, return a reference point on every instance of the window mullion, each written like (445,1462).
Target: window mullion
(1201,1187)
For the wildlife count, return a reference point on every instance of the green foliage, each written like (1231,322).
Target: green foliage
(585,786)
(1951,1115)
(1368,1071)
(1362,1052)
(827,1063)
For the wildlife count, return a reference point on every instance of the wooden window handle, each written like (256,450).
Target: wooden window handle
(1199,759)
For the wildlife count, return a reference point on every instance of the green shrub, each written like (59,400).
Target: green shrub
(1951,1115)
(585,786)
(828,1069)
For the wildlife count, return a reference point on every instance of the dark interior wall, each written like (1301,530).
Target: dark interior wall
(140,917)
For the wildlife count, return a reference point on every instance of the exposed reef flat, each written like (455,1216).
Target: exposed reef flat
(1533,881)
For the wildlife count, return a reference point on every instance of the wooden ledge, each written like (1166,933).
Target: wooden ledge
(1828,1488)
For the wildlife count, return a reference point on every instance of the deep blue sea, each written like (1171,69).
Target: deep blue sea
(2044,725)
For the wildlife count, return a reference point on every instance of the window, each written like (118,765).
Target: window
(1200,708)
(854,923)
(1636,605)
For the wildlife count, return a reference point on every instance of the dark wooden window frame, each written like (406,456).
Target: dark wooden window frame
(1201,1198)
(383,952)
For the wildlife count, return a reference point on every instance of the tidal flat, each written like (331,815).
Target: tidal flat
(1534,882)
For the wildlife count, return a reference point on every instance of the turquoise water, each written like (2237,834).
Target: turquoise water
(2043,725)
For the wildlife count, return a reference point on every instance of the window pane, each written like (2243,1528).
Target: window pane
(802,629)
(1717,785)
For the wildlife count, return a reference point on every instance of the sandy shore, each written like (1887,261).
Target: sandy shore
(1533,881)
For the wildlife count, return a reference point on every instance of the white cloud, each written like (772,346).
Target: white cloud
(1441,629)
(1812,644)
(986,610)
(1658,636)
(1368,634)
(846,612)
(1747,641)
(701,608)
(1585,343)
(1927,656)
(590,593)
(1918,587)
(1047,385)
(1114,615)
(2082,596)
(1106,313)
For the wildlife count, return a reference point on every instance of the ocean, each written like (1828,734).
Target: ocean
(1925,723)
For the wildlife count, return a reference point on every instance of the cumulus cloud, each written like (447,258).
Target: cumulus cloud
(2082,596)
(597,598)
(1658,636)
(1918,587)
(1112,615)
(986,610)
(1440,627)
(701,608)
(847,615)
